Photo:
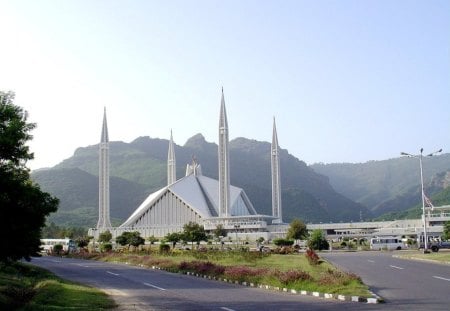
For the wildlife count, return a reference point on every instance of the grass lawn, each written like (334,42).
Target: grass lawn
(26,287)
(292,271)
(442,256)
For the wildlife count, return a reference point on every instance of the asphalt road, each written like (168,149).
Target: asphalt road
(137,288)
(404,284)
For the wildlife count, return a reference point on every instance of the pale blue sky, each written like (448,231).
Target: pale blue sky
(348,81)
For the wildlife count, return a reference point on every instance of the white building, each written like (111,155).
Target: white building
(200,199)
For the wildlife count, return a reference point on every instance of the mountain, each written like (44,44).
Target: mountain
(139,168)
(390,185)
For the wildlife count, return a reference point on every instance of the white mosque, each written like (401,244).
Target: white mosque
(195,197)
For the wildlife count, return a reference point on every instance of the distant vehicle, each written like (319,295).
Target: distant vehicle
(48,244)
(434,242)
(386,243)
(435,246)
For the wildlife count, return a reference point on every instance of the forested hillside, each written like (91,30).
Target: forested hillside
(139,168)
(388,186)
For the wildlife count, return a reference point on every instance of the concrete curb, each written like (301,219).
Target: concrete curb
(373,300)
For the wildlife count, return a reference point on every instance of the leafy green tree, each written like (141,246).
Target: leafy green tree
(130,238)
(106,247)
(82,242)
(447,230)
(57,249)
(105,237)
(283,242)
(193,232)
(173,238)
(152,239)
(317,240)
(23,206)
(297,230)
(220,231)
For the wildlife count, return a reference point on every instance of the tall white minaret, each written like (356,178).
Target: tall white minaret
(224,159)
(275,165)
(171,163)
(103,176)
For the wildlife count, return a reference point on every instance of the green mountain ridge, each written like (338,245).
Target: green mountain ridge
(390,186)
(139,168)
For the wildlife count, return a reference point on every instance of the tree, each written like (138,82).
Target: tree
(447,230)
(317,240)
(105,237)
(297,230)
(283,242)
(173,237)
(82,242)
(193,232)
(220,231)
(23,206)
(57,249)
(152,239)
(130,238)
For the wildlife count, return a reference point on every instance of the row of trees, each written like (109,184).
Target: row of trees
(195,233)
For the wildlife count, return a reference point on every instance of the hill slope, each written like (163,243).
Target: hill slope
(387,186)
(139,168)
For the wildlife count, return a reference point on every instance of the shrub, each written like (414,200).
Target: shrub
(164,248)
(291,276)
(312,257)
(334,277)
(317,240)
(106,247)
(57,249)
(202,267)
(243,273)
(283,242)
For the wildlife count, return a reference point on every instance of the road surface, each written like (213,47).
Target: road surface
(404,284)
(137,288)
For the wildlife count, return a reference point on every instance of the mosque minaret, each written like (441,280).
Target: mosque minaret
(171,162)
(103,174)
(195,197)
(224,160)
(275,165)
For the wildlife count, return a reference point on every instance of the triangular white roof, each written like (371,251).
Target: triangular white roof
(201,193)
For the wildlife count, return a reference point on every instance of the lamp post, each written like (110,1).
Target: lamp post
(424,219)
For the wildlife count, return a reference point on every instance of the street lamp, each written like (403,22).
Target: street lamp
(420,156)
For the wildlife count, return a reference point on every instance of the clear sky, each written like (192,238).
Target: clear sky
(347,81)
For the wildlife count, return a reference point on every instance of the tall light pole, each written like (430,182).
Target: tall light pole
(424,219)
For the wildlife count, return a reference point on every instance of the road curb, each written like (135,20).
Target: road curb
(371,300)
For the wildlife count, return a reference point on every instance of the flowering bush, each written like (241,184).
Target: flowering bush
(291,276)
(202,267)
(312,257)
(244,273)
(338,278)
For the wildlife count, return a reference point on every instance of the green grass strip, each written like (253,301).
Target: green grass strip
(26,287)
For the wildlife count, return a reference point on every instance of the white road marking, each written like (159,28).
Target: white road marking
(400,268)
(369,260)
(154,286)
(80,265)
(52,260)
(112,273)
(441,278)
(226,309)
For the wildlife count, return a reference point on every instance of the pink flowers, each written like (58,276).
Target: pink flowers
(312,257)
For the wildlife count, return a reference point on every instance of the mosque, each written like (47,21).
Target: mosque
(195,197)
